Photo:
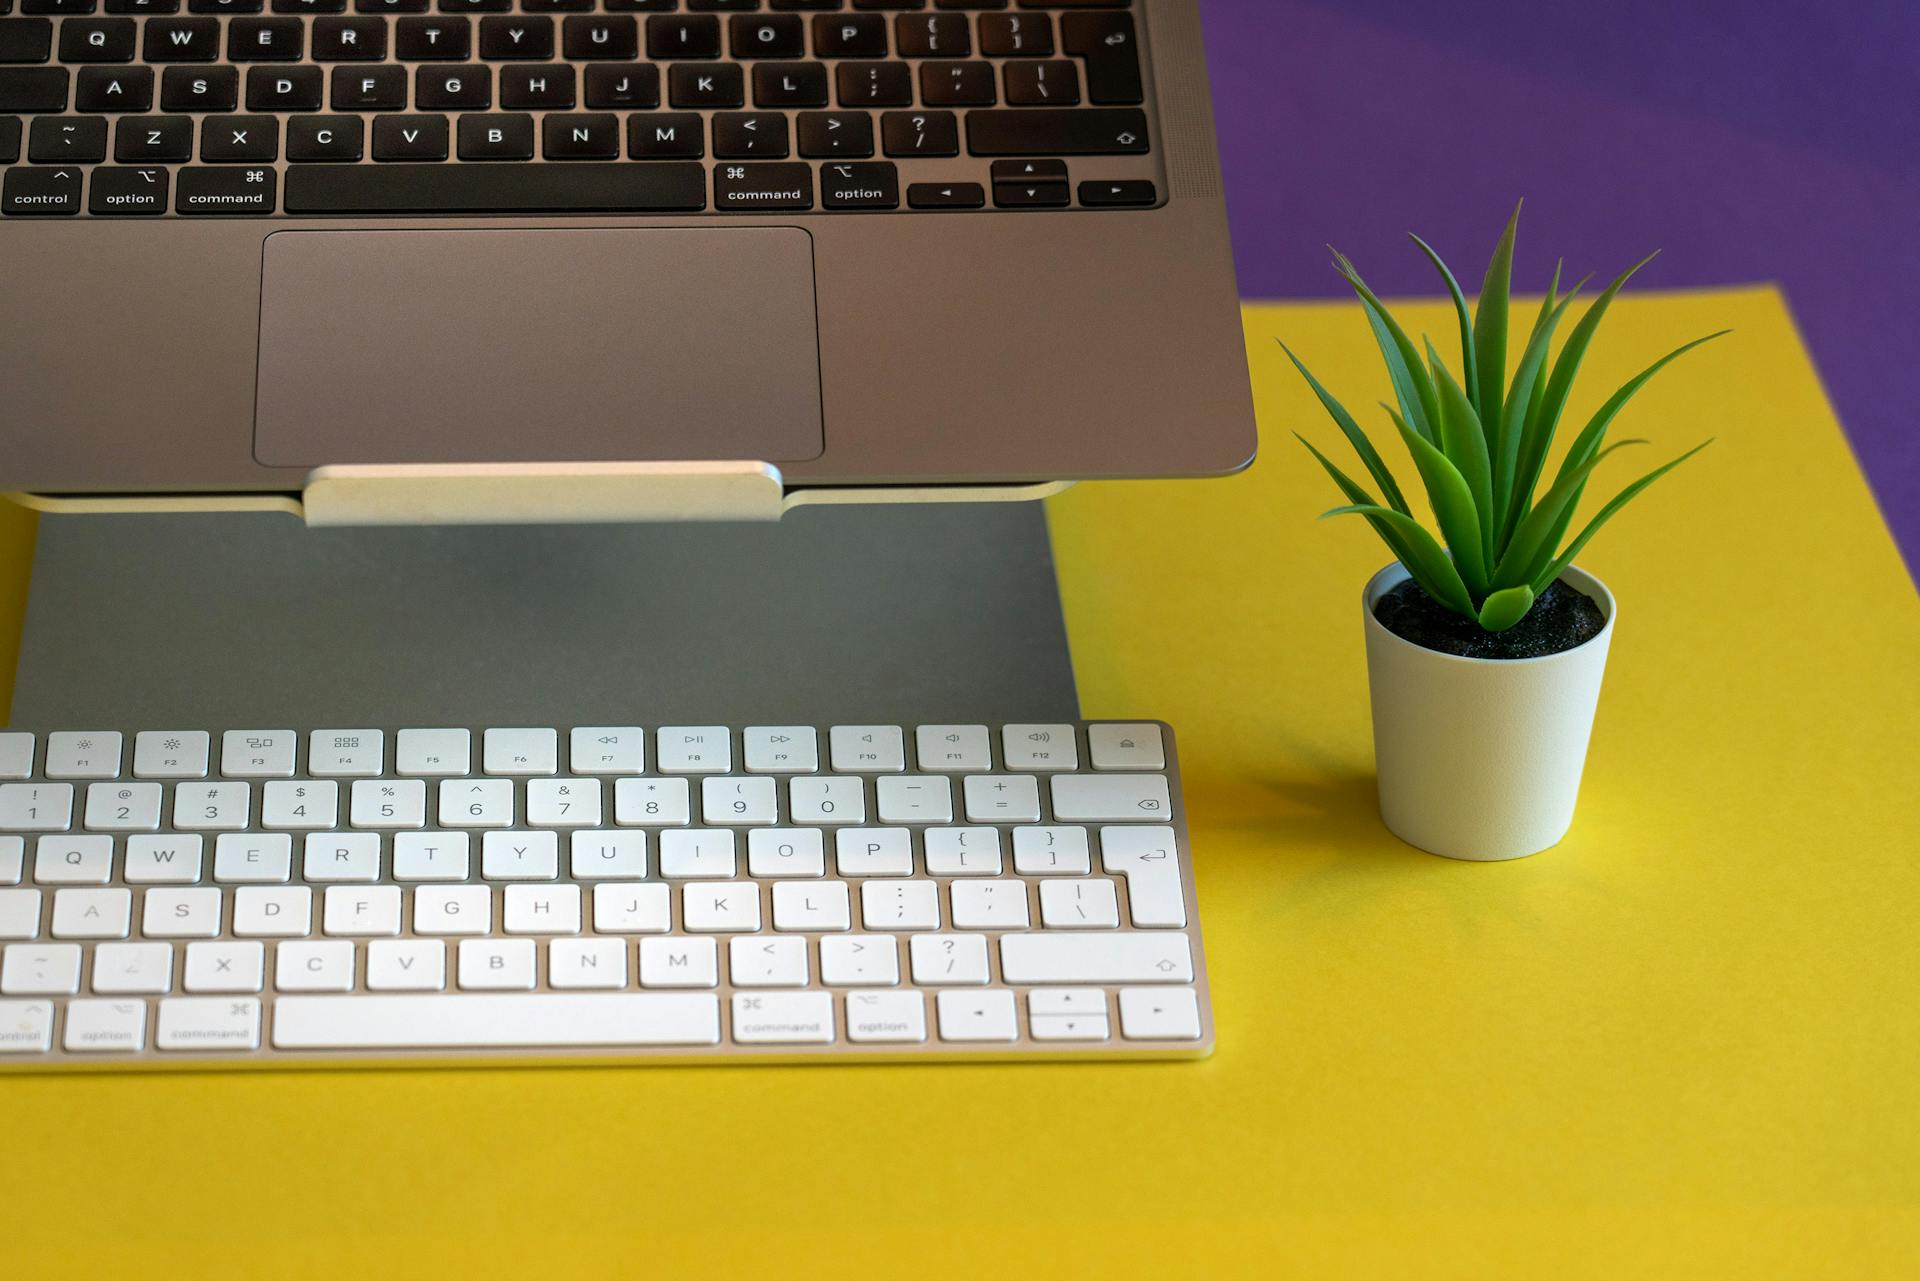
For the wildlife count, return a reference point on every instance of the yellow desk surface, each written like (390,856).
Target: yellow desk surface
(1685,1043)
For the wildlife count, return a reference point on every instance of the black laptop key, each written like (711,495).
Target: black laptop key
(225,6)
(836,133)
(1132,194)
(706,84)
(621,84)
(404,189)
(99,39)
(773,36)
(122,190)
(920,133)
(750,135)
(752,188)
(320,139)
(285,88)
(544,86)
(240,139)
(265,39)
(9,139)
(581,136)
(1107,42)
(1016,35)
(666,135)
(182,40)
(391,6)
(1030,195)
(525,39)
(42,191)
(603,38)
(225,189)
(153,140)
(432,39)
(410,138)
(1029,170)
(57,6)
(309,6)
(453,88)
(354,39)
(934,35)
(789,84)
(67,140)
(852,35)
(1046,131)
(33,89)
(113,89)
(957,84)
(875,84)
(199,89)
(143,6)
(683,37)
(496,137)
(25,39)
(1042,84)
(369,88)
(860,184)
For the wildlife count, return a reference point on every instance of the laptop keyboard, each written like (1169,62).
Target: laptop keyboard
(249,895)
(121,108)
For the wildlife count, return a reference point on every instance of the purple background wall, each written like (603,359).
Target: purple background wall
(1750,140)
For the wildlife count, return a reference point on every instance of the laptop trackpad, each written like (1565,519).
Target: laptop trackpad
(589,344)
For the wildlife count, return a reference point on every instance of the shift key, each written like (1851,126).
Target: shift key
(763,187)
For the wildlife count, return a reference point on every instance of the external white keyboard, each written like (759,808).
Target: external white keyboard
(610,892)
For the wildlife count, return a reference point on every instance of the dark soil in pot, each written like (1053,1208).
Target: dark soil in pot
(1560,619)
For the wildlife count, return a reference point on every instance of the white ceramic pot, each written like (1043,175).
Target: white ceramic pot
(1481,758)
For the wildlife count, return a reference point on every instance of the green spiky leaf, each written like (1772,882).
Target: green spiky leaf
(1376,466)
(1503,609)
(1513,424)
(1357,495)
(1530,551)
(1605,514)
(1452,501)
(1410,383)
(1429,565)
(1465,445)
(1468,363)
(1490,325)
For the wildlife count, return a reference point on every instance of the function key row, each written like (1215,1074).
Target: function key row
(613,750)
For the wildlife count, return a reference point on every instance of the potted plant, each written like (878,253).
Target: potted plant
(1485,645)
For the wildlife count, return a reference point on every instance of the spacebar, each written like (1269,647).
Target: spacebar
(487,1022)
(664,187)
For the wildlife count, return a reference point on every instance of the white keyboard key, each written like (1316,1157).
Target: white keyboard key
(388,803)
(738,802)
(224,967)
(914,798)
(1039,747)
(123,807)
(406,965)
(563,802)
(1051,851)
(990,905)
(1149,858)
(780,749)
(13,859)
(953,749)
(212,807)
(432,753)
(520,1022)
(252,857)
(105,1027)
(520,856)
(1003,798)
(16,755)
(452,909)
(92,914)
(40,969)
(867,749)
(1096,958)
(1077,904)
(859,960)
(132,969)
(783,1018)
(84,754)
(587,963)
(873,851)
(476,802)
(1055,1001)
(210,1023)
(361,911)
(163,860)
(26,1027)
(767,962)
(652,802)
(962,851)
(191,913)
(73,860)
(607,856)
(977,1016)
(521,753)
(1159,1014)
(323,965)
(720,907)
(36,807)
(431,856)
(811,905)
(19,914)
(496,964)
(1128,746)
(608,749)
(1069,1027)
(786,851)
(345,856)
(541,909)
(258,753)
(886,1016)
(697,853)
(948,958)
(347,753)
(900,905)
(631,909)
(306,805)
(1138,798)
(827,800)
(694,749)
(172,753)
(679,962)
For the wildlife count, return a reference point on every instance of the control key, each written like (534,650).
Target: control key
(41,191)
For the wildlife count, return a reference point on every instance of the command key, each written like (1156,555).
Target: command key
(225,191)
(763,186)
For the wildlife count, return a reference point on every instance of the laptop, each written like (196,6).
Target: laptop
(873,243)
